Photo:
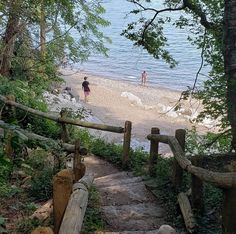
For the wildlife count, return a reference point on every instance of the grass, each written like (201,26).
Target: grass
(93,220)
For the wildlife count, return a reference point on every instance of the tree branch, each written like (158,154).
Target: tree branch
(200,13)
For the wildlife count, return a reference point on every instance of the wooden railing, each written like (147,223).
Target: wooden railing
(70,186)
(64,120)
(70,196)
(225,181)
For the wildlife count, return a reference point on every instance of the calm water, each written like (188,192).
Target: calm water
(126,62)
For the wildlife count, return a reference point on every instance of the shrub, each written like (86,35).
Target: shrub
(25,226)
(41,184)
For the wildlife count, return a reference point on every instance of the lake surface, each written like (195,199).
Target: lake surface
(127,62)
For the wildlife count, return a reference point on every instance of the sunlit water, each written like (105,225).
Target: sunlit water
(126,62)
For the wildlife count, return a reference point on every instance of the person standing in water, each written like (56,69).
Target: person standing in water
(85,87)
(144,78)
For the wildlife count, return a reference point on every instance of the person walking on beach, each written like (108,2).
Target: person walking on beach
(85,87)
(144,78)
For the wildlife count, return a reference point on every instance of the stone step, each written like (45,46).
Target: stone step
(115,180)
(118,175)
(125,194)
(98,167)
(136,217)
(128,232)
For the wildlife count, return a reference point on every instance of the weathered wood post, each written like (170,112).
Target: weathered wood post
(10,115)
(229,209)
(62,188)
(177,170)
(154,146)
(11,109)
(64,130)
(197,188)
(75,211)
(78,167)
(126,143)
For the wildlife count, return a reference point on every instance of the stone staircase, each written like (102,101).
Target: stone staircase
(128,207)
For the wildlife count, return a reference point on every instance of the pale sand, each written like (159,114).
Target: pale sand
(107,104)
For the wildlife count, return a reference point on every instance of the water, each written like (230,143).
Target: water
(127,62)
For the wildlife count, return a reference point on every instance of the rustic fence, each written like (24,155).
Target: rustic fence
(64,120)
(70,186)
(226,181)
(70,196)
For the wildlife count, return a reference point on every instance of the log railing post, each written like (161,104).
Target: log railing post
(64,130)
(197,188)
(126,143)
(62,188)
(11,116)
(154,145)
(229,208)
(75,211)
(11,109)
(177,170)
(78,167)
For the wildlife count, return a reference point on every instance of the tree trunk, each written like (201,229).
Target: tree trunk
(42,31)
(9,39)
(230,62)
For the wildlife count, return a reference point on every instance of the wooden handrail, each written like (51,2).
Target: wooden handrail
(32,136)
(74,214)
(223,180)
(58,119)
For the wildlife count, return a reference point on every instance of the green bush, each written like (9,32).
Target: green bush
(3,229)
(5,168)
(25,226)
(110,151)
(38,159)
(83,135)
(138,161)
(41,184)
(209,143)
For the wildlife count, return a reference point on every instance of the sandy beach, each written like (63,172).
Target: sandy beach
(113,102)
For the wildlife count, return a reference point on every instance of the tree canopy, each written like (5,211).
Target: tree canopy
(42,30)
(206,24)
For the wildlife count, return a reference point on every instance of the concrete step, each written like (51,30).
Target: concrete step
(123,194)
(141,217)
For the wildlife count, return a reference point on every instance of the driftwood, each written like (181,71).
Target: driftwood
(63,120)
(74,214)
(43,212)
(186,210)
(223,180)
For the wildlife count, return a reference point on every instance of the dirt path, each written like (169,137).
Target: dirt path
(128,207)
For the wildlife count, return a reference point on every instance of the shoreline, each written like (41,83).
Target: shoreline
(113,102)
(135,81)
